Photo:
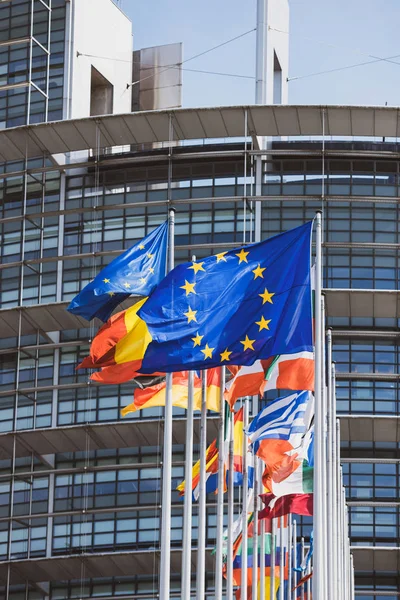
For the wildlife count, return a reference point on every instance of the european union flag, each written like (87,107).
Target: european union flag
(137,271)
(233,308)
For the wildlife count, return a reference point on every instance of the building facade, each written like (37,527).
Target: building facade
(80,487)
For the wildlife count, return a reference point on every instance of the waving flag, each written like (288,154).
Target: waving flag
(298,504)
(277,433)
(233,308)
(298,482)
(211,473)
(239,439)
(283,372)
(212,457)
(137,271)
(286,418)
(118,347)
(154,393)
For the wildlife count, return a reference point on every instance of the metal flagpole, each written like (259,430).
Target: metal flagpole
(229,594)
(201,538)
(290,556)
(324,410)
(330,470)
(220,495)
(342,540)
(310,565)
(352,596)
(272,579)
(318,577)
(187,507)
(302,558)
(263,552)
(165,560)
(281,562)
(294,582)
(335,458)
(243,580)
(255,532)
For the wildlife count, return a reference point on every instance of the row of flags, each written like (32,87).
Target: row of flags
(233,308)
(249,310)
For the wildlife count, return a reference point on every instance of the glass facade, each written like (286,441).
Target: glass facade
(119,489)
(50,253)
(59,228)
(32,36)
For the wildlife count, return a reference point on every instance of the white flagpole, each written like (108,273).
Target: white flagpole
(220,495)
(187,506)
(243,581)
(281,562)
(165,561)
(342,539)
(308,583)
(291,572)
(272,579)
(334,455)
(324,452)
(201,539)
(263,552)
(330,470)
(293,583)
(352,577)
(302,558)
(255,533)
(318,577)
(230,516)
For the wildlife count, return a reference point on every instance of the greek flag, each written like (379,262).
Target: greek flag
(287,418)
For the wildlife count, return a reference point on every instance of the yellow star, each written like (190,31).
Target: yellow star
(242,256)
(127,285)
(143,280)
(258,272)
(225,355)
(191,315)
(150,255)
(197,339)
(207,352)
(151,270)
(263,324)
(221,256)
(106,281)
(141,247)
(197,267)
(266,296)
(111,293)
(247,344)
(188,287)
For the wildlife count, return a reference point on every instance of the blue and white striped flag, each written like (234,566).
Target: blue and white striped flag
(286,418)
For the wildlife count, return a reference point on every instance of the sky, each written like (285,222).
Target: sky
(323,36)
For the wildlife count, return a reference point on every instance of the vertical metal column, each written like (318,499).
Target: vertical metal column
(273,549)
(231,499)
(48,63)
(243,582)
(318,578)
(28,109)
(165,560)
(167,456)
(187,507)
(201,540)
(221,485)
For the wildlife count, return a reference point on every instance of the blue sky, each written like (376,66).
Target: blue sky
(323,35)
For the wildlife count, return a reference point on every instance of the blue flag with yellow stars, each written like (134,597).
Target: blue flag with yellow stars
(233,308)
(137,271)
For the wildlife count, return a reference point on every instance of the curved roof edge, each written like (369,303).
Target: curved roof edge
(59,137)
